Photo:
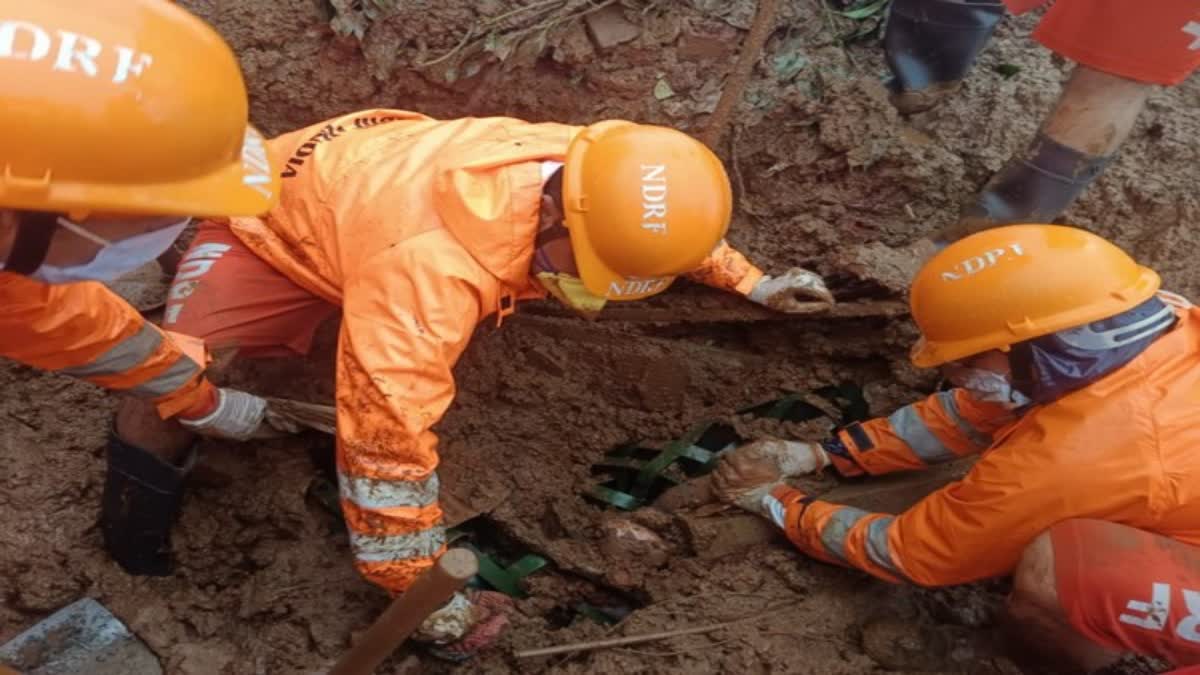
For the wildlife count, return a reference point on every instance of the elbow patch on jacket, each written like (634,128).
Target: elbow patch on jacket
(862,442)
(843,460)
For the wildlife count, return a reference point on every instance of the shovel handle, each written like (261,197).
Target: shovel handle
(428,593)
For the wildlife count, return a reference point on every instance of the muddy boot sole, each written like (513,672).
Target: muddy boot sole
(912,102)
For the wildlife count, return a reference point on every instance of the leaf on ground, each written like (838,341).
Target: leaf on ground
(864,11)
(790,60)
(502,47)
(663,90)
(1007,70)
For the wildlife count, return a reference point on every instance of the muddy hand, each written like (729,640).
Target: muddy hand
(470,623)
(792,291)
(749,472)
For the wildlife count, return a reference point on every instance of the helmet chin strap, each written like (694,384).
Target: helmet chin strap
(35,229)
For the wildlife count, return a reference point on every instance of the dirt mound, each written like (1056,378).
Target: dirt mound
(821,164)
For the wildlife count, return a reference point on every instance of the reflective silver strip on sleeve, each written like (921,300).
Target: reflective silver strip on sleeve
(833,534)
(950,404)
(878,549)
(123,356)
(911,429)
(387,548)
(370,493)
(169,380)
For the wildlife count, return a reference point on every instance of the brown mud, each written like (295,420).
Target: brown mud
(828,176)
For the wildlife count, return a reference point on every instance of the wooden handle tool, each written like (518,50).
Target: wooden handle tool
(406,613)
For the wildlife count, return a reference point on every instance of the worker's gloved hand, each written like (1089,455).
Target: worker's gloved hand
(470,623)
(239,416)
(747,474)
(791,291)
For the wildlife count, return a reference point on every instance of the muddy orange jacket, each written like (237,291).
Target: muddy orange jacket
(1123,449)
(418,229)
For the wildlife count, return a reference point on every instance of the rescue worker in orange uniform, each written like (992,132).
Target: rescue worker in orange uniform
(1122,50)
(417,230)
(120,120)
(1077,384)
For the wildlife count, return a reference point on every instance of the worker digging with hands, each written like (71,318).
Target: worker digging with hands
(416,230)
(1078,385)
(1122,51)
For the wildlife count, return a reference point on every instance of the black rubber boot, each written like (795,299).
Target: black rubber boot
(1034,188)
(142,499)
(930,46)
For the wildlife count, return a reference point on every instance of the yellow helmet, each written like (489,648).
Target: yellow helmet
(1006,285)
(134,106)
(643,204)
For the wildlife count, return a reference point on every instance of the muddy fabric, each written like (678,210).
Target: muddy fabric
(1128,589)
(1121,449)
(208,299)
(418,229)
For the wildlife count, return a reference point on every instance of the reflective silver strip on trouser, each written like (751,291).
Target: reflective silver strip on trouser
(132,352)
(911,429)
(950,404)
(370,493)
(387,548)
(837,530)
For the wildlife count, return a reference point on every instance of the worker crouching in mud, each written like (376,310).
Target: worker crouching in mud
(1078,385)
(415,229)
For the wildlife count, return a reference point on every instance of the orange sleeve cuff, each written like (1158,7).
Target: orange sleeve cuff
(748,282)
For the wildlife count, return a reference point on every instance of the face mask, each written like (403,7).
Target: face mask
(571,292)
(115,259)
(988,385)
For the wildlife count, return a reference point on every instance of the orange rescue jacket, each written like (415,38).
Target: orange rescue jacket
(1122,449)
(418,228)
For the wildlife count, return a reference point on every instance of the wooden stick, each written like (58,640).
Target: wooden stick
(637,639)
(735,85)
(406,613)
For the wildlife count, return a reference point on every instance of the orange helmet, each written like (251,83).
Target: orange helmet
(643,204)
(133,106)
(1002,286)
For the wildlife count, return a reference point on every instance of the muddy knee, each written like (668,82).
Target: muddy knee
(1037,622)
(1034,589)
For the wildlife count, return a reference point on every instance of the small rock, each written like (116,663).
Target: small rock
(706,39)
(609,27)
(626,540)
